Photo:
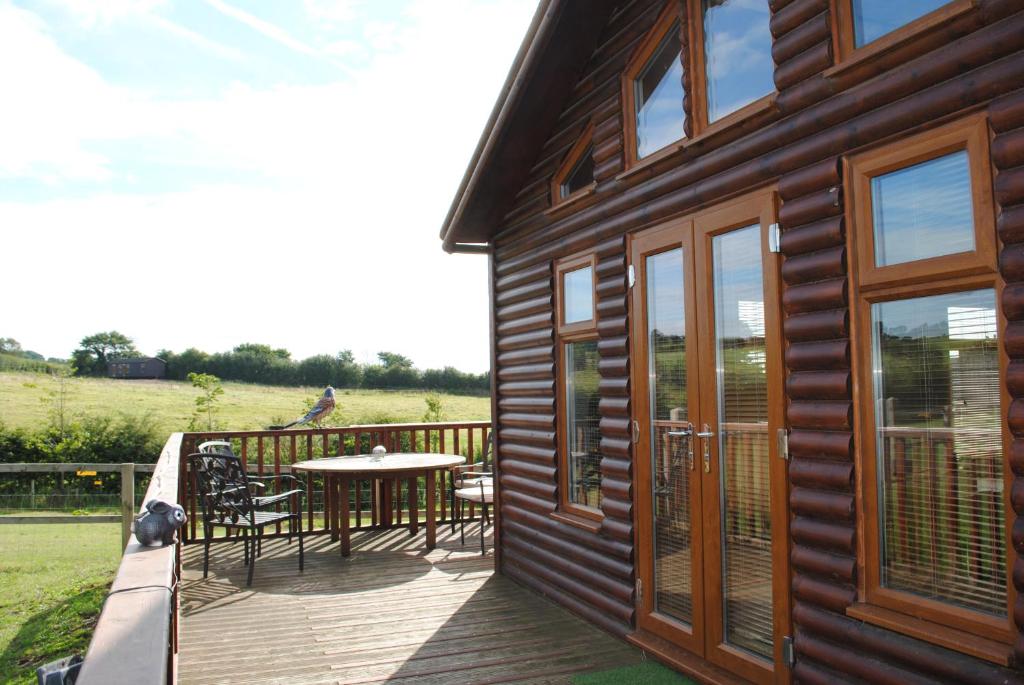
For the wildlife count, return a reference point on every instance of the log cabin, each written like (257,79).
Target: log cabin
(756,276)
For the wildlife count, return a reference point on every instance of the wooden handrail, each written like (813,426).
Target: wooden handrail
(136,635)
(57,467)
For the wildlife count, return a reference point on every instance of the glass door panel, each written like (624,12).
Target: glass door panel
(671,435)
(669,550)
(742,440)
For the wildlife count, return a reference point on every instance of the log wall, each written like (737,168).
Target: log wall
(972,62)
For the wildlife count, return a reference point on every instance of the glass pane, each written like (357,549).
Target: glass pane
(738,54)
(582,417)
(939,444)
(581,175)
(659,97)
(740,356)
(578,289)
(923,210)
(670,464)
(872,19)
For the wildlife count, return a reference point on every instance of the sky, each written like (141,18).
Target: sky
(202,173)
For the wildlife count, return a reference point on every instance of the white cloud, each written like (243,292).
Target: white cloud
(356,178)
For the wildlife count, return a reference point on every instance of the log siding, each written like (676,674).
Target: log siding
(823,111)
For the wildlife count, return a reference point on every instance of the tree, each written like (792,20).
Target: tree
(95,351)
(10,346)
(393,360)
(206,402)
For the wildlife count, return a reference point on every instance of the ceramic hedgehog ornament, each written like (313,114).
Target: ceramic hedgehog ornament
(159,524)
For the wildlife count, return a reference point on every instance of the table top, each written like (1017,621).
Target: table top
(367,463)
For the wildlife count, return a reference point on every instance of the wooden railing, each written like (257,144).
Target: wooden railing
(268,453)
(136,636)
(127,471)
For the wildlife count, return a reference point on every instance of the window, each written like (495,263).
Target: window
(575,176)
(868,28)
(736,66)
(578,397)
(652,90)
(873,19)
(931,406)
(733,73)
(923,206)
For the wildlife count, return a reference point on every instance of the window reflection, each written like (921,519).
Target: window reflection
(939,448)
(923,211)
(582,419)
(872,19)
(737,53)
(578,295)
(659,97)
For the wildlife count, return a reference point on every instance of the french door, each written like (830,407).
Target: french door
(711,490)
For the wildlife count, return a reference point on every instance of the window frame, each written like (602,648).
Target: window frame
(848,56)
(575,514)
(702,127)
(641,56)
(957,628)
(695,118)
(969,134)
(565,169)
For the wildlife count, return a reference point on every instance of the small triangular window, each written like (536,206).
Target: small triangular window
(580,176)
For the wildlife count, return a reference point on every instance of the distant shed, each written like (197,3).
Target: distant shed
(142,367)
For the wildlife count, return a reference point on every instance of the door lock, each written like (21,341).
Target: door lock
(707,434)
(685,433)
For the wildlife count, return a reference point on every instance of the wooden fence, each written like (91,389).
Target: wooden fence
(127,471)
(270,453)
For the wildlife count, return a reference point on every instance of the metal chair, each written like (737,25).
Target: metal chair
(460,477)
(227,501)
(482,493)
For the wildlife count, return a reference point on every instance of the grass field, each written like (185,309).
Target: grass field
(26,399)
(53,579)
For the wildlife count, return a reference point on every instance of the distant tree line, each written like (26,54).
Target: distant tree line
(14,358)
(257,363)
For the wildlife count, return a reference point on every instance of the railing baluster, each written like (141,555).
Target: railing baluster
(277,478)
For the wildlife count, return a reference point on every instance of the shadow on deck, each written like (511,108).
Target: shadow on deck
(392,611)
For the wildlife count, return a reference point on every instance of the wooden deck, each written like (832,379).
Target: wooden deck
(391,611)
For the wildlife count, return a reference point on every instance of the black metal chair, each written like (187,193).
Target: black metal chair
(482,493)
(227,501)
(460,477)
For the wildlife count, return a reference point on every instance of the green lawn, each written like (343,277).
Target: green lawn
(53,579)
(27,398)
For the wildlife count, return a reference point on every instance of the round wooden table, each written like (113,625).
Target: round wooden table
(340,472)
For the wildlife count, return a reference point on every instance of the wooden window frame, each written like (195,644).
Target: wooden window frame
(848,57)
(690,14)
(575,514)
(702,127)
(957,628)
(970,134)
(641,56)
(572,159)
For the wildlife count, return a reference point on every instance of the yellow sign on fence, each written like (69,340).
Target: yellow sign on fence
(85,473)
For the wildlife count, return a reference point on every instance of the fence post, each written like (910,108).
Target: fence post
(127,502)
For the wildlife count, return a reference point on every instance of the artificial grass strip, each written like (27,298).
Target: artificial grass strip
(646,673)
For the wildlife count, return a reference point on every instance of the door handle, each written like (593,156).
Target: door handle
(707,434)
(685,433)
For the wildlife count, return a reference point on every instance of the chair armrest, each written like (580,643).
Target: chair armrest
(257,485)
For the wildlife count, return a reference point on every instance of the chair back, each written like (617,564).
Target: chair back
(223,486)
(216,447)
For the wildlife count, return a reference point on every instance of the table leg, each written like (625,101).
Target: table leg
(387,503)
(374,502)
(330,504)
(431,506)
(346,544)
(414,514)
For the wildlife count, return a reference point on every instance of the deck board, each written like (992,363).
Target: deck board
(391,611)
